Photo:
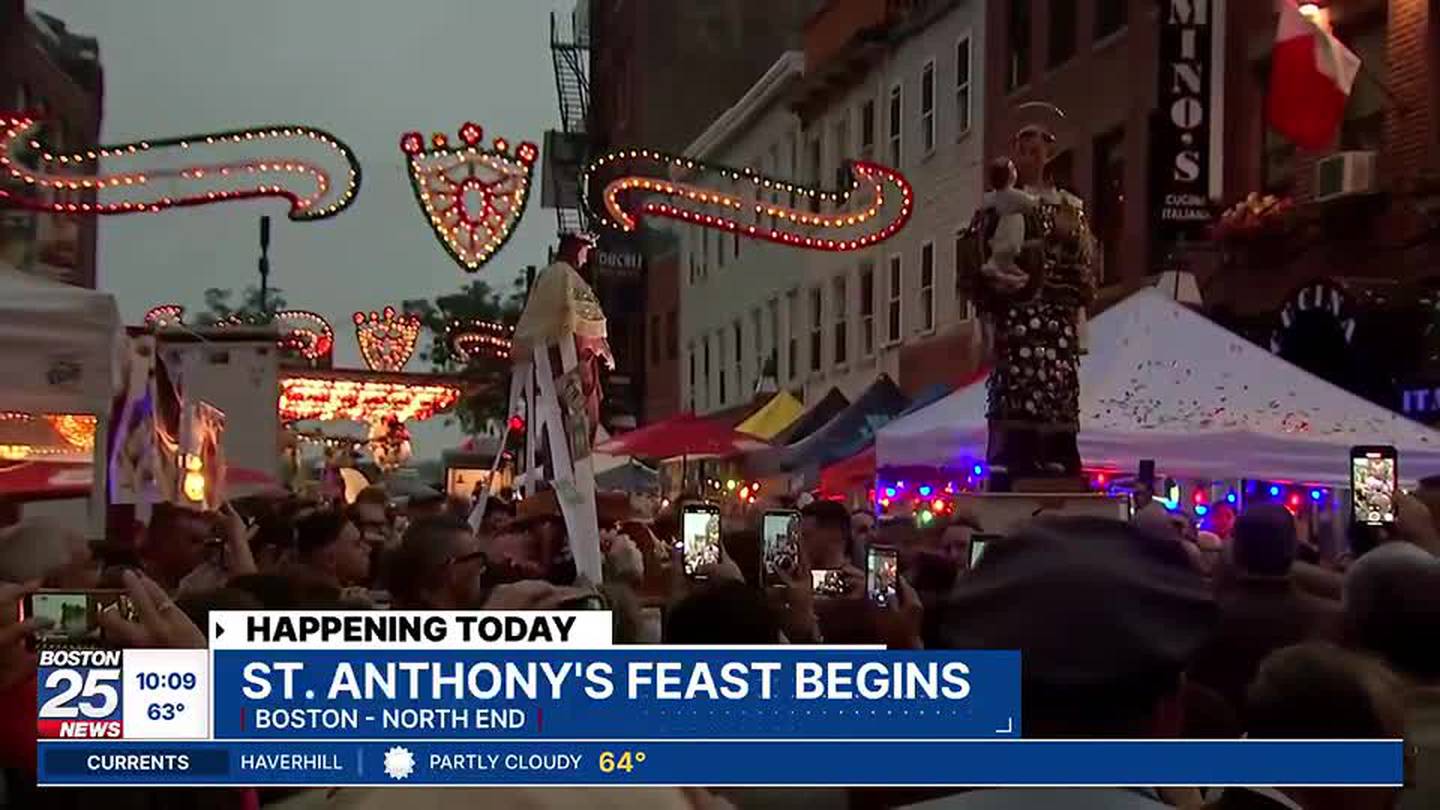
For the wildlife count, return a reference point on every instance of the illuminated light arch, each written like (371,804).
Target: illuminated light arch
(305,332)
(474,338)
(311,192)
(164,316)
(387,339)
(642,173)
(471,195)
(362,396)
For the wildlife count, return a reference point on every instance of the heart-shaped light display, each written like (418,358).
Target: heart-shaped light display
(387,340)
(475,339)
(472,195)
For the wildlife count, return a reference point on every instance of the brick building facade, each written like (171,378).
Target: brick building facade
(47,70)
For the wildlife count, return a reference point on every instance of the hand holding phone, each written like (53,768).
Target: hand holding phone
(73,616)
(699,537)
(780,537)
(1374,484)
(882,575)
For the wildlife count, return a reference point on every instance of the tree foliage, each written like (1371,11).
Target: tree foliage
(475,301)
(220,305)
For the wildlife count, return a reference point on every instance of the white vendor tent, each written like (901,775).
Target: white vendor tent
(58,346)
(1165,383)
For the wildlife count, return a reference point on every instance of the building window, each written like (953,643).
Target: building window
(817,320)
(772,344)
(792,338)
(896,107)
(655,340)
(927,286)
(812,171)
(840,302)
(1062,32)
(672,334)
(1017,32)
(867,129)
(927,106)
(694,393)
(892,313)
(1109,163)
(1363,127)
(737,337)
(758,341)
(962,303)
(1110,16)
(962,86)
(867,308)
(720,251)
(705,402)
(720,361)
(840,137)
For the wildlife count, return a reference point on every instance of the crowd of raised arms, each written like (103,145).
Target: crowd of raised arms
(1127,630)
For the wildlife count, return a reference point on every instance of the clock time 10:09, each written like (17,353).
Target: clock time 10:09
(166,680)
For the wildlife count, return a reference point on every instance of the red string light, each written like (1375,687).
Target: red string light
(475,338)
(305,332)
(695,205)
(472,196)
(307,187)
(165,316)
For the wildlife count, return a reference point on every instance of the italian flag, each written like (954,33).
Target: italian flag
(1311,73)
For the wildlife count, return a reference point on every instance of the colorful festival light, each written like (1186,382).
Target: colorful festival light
(165,316)
(645,173)
(474,338)
(473,196)
(305,332)
(69,183)
(371,401)
(387,340)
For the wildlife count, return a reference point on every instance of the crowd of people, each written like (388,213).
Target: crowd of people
(1127,630)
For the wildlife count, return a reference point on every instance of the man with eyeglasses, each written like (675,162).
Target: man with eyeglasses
(438,566)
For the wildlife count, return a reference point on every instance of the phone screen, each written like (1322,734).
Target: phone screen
(1374,480)
(781,531)
(700,533)
(828,582)
(74,615)
(882,571)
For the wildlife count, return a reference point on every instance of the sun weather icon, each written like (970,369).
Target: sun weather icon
(399,763)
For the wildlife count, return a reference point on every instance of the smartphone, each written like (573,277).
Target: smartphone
(74,614)
(882,570)
(978,542)
(699,536)
(1374,482)
(780,533)
(828,582)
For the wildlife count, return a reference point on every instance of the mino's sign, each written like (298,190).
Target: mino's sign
(1186,130)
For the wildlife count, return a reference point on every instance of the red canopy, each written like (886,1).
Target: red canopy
(684,435)
(846,474)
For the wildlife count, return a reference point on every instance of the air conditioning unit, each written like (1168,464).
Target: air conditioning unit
(1345,174)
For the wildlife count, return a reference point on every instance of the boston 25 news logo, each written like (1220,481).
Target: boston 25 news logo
(79,694)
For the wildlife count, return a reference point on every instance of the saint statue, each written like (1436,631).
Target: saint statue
(1030,273)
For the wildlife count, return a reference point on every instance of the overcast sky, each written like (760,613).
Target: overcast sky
(366,71)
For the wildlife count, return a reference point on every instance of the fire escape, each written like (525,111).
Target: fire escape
(570,52)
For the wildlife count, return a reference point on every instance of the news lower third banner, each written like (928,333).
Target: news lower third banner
(470,698)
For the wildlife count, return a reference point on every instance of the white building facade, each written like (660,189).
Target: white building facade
(821,319)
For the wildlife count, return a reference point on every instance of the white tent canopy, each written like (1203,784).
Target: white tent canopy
(58,345)
(1165,383)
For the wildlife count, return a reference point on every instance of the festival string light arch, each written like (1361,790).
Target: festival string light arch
(638,184)
(206,171)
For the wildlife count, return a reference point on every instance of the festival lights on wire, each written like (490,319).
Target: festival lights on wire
(695,204)
(324,398)
(165,316)
(387,340)
(472,196)
(473,338)
(305,332)
(309,188)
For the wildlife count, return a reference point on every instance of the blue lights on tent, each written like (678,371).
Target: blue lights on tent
(1201,509)
(925,491)
(1231,497)
(889,492)
(1316,495)
(1274,491)
(978,469)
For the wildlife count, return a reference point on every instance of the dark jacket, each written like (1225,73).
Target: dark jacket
(1259,615)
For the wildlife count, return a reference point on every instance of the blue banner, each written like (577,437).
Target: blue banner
(875,763)
(615,694)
